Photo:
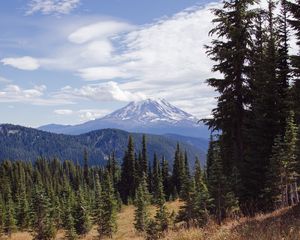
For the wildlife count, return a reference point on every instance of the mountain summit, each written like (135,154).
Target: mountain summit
(149,111)
(147,116)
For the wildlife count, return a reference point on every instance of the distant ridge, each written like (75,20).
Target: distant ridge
(21,143)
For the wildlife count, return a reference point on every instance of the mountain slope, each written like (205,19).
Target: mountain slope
(21,143)
(149,116)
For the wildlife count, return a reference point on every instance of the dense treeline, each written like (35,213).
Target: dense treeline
(255,148)
(48,195)
(27,144)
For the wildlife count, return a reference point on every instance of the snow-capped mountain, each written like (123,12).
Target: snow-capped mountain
(148,116)
(150,111)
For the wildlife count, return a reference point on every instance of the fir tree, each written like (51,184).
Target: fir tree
(107,222)
(178,170)
(223,200)
(161,216)
(165,177)
(231,50)
(86,166)
(2,215)
(272,191)
(144,164)
(22,216)
(42,223)
(294,21)
(156,175)
(128,174)
(9,219)
(82,215)
(70,224)
(141,202)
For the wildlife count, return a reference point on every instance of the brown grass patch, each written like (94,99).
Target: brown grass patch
(283,224)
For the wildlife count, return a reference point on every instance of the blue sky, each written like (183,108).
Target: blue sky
(69,61)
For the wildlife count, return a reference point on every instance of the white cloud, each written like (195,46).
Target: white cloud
(63,111)
(99,30)
(47,7)
(108,91)
(83,114)
(92,114)
(23,63)
(102,73)
(4,80)
(33,96)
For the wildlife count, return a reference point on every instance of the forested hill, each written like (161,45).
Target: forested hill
(21,143)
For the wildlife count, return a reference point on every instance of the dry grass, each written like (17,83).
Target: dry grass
(283,224)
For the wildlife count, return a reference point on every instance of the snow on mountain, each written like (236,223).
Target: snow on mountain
(147,116)
(149,111)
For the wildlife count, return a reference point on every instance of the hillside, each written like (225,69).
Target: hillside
(20,143)
(278,225)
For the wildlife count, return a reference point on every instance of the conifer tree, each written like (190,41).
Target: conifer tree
(165,177)
(201,199)
(162,215)
(82,214)
(2,215)
(70,224)
(186,212)
(86,166)
(284,72)
(231,50)
(141,203)
(156,175)
(294,21)
(223,199)
(128,174)
(98,208)
(107,222)
(9,219)
(22,208)
(272,191)
(177,170)
(42,223)
(144,155)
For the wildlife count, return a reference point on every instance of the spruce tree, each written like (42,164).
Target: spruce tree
(273,188)
(128,174)
(231,50)
(144,155)
(156,175)
(141,203)
(9,219)
(201,199)
(165,177)
(294,21)
(107,224)
(178,170)
(42,224)
(86,166)
(82,214)
(70,224)
(2,215)
(186,212)
(223,199)
(162,215)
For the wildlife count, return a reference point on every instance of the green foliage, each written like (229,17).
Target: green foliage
(107,219)
(223,199)
(9,217)
(82,214)
(141,202)
(42,223)
(128,175)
